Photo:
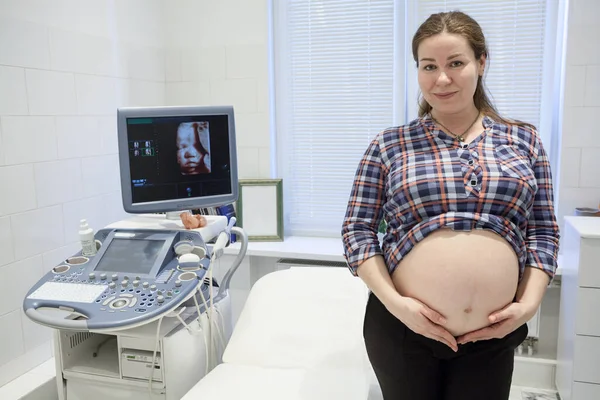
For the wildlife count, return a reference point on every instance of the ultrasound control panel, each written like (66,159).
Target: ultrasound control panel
(135,276)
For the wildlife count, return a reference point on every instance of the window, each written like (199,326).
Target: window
(344,72)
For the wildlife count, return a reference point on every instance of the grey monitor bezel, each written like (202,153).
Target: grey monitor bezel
(124,113)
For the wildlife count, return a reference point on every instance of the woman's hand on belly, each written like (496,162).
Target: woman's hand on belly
(422,320)
(502,322)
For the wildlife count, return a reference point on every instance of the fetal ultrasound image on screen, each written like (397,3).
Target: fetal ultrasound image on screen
(179,157)
(193,148)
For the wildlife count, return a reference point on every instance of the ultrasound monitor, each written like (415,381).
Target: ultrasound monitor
(177,158)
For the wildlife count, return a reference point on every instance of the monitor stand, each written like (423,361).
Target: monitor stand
(215,224)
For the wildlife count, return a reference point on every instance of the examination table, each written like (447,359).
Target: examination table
(299,336)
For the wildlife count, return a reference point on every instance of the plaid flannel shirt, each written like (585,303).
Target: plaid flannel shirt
(421,179)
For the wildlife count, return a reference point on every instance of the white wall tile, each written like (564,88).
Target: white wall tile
(97,95)
(34,334)
(52,258)
(247,61)
(7,254)
(252,129)
(146,63)
(574,86)
(248,162)
(190,65)
(18,278)
(146,93)
(264,160)
(234,22)
(173,64)
(93,18)
(92,209)
(32,11)
(577,130)
(585,11)
(48,233)
(107,129)
(17,35)
(51,93)
(9,280)
(571,166)
(582,49)
(85,136)
(124,92)
(590,165)
(592,87)
(2,158)
(28,139)
(187,93)
(241,93)
(82,53)
(203,63)
(100,175)
(17,182)
(262,104)
(11,340)
(114,208)
(141,21)
(121,51)
(183,22)
(28,272)
(12,80)
(57,182)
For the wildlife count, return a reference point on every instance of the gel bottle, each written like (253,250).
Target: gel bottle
(86,236)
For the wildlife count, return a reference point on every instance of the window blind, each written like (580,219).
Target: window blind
(336,74)
(515,32)
(337,68)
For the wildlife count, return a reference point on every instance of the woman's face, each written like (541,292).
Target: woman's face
(448,73)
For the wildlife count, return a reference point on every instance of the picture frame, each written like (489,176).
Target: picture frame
(259,209)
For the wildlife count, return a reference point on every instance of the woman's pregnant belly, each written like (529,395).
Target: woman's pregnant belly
(465,276)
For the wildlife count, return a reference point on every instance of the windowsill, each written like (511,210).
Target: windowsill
(301,247)
(305,248)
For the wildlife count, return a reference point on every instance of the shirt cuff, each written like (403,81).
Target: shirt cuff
(542,260)
(355,257)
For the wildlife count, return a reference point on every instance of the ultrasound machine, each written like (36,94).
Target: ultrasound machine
(143,317)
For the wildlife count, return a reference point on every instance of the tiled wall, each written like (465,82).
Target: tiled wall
(580,147)
(217,54)
(65,66)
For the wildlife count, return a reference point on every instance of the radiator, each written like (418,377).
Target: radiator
(285,263)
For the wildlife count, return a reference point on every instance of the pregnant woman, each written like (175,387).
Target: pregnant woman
(471,240)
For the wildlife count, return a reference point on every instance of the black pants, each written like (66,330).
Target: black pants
(410,366)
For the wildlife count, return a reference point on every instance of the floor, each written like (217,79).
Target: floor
(532,394)
(44,374)
(516,393)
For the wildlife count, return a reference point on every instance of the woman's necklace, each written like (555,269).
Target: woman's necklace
(459,137)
